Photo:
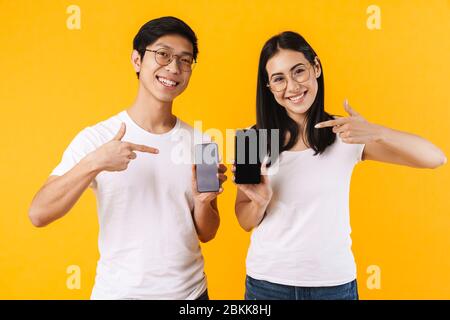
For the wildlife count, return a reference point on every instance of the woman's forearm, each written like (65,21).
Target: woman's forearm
(414,149)
(249,214)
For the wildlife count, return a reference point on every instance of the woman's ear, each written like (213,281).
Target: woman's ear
(136,61)
(317,68)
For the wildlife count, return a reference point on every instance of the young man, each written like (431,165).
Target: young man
(150,214)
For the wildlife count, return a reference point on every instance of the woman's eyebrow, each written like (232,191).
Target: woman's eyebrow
(163,45)
(280,73)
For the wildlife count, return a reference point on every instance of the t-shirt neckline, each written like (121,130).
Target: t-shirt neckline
(297,152)
(127,117)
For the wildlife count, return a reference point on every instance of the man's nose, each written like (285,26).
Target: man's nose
(173,66)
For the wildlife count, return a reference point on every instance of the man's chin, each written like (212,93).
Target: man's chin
(166,98)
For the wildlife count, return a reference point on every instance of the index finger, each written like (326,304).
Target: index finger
(142,148)
(332,123)
(222,168)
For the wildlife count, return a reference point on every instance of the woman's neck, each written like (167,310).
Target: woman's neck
(302,141)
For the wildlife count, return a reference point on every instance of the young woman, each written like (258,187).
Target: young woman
(301,245)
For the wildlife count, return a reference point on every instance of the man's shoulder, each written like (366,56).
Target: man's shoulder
(111,122)
(101,131)
(193,131)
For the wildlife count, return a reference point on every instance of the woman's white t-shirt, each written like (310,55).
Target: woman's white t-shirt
(304,239)
(148,244)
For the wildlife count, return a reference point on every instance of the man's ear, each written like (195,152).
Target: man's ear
(317,68)
(136,61)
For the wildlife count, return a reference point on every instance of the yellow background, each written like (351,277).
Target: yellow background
(55,81)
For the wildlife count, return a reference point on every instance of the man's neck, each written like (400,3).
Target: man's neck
(151,114)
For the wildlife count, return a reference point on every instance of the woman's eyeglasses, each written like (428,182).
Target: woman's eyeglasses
(299,74)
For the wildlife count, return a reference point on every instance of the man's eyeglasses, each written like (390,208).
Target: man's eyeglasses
(164,57)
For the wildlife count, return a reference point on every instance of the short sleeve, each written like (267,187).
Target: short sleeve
(80,146)
(359,149)
(356,150)
(350,151)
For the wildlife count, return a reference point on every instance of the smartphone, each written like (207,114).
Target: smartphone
(246,153)
(206,160)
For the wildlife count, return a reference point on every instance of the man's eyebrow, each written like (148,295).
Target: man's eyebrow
(161,44)
(280,73)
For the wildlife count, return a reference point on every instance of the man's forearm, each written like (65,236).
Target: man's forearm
(206,219)
(57,197)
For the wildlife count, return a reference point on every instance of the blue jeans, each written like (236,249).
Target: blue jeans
(203,296)
(265,290)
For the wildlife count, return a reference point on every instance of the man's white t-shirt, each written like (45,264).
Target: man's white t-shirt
(304,239)
(148,244)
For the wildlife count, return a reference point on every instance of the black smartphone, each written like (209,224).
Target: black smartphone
(246,157)
(206,160)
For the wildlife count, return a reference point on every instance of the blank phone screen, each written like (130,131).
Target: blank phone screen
(206,160)
(248,165)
